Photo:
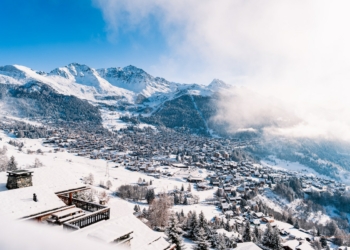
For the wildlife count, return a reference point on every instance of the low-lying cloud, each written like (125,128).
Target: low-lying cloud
(244,109)
(296,51)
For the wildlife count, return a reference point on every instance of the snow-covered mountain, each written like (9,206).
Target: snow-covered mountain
(128,83)
(129,90)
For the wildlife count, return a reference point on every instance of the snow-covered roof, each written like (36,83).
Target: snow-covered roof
(110,232)
(18,203)
(56,179)
(227,233)
(304,246)
(247,246)
(291,243)
(143,236)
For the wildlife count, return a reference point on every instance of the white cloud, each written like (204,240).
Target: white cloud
(296,50)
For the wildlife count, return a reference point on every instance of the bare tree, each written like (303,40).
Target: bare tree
(37,163)
(89,179)
(3,159)
(159,210)
(109,184)
(103,196)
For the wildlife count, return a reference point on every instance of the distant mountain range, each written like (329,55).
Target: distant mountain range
(130,89)
(88,83)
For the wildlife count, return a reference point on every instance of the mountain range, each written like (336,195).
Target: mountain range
(129,89)
(88,83)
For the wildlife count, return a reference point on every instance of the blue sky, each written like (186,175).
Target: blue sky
(294,50)
(45,34)
(243,42)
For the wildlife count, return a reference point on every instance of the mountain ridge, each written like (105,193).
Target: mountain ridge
(86,82)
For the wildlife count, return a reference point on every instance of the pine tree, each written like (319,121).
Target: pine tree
(202,222)
(220,243)
(150,196)
(174,233)
(268,235)
(182,213)
(189,189)
(144,213)
(185,200)
(276,240)
(296,224)
(227,226)
(247,237)
(12,164)
(193,226)
(136,208)
(201,242)
(109,184)
(257,234)
(176,199)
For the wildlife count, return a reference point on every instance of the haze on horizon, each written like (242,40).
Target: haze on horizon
(294,53)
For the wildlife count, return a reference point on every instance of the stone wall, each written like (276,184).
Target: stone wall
(19,182)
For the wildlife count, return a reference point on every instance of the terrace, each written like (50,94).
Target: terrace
(85,213)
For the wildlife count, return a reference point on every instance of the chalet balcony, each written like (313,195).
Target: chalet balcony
(93,213)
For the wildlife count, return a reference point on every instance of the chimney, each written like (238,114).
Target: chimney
(19,179)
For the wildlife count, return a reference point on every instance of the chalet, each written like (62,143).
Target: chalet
(179,165)
(255,222)
(258,215)
(225,207)
(267,219)
(196,178)
(203,186)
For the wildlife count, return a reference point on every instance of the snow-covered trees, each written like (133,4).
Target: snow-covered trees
(174,233)
(87,195)
(192,225)
(12,164)
(201,241)
(257,234)
(247,236)
(271,238)
(219,242)
(202,222)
